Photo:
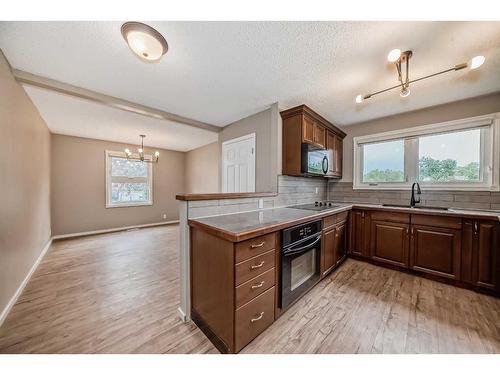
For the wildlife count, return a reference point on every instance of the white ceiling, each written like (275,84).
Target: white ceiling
(219,72)
(83,118)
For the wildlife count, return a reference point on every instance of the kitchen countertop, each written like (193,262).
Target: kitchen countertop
(241,226)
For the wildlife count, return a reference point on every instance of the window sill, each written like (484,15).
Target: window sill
(131,204)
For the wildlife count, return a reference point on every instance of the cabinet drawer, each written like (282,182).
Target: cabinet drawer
(255,246)
(253,318)
(253,267)
(342,216)
(328,221)
(394,217)
(437,221)
(252,288)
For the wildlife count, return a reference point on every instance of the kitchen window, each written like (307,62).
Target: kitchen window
(457,155)
(128,182)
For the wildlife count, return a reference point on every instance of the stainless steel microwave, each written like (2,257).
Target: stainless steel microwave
(317,162)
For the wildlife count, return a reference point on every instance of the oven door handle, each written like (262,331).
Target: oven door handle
(292,250)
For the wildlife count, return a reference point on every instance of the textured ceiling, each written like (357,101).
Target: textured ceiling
(82,118)
(219,72)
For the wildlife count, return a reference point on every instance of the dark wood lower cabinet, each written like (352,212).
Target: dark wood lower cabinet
(334,246)
(340,242)
(481,260)
(436,251)
(389,242)
(359,233)
(328,250)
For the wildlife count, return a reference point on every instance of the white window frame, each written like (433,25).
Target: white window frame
(490,163)
(109,203)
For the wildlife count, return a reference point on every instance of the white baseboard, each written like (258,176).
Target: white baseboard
(19,290)
(119,229)
(183,315)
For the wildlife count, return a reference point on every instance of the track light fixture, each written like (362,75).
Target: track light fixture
(402,62)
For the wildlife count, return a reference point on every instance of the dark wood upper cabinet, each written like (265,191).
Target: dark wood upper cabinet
(335,143)
(389,242)
(303,126)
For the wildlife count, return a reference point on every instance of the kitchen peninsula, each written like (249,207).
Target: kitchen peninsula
(236,259)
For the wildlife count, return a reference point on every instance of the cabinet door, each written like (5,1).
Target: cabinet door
(319,135)
(389,242)
(328,251)
(485,262)
(340,243)
(359,233)
(435,251)
(337,156)
(307,130)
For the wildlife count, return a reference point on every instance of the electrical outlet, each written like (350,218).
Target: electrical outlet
(164,216)
(261,203)
(316,190)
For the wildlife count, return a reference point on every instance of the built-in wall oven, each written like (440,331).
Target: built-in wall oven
(300,260)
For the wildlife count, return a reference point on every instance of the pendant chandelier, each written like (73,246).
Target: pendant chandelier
(402,62)
(140,153)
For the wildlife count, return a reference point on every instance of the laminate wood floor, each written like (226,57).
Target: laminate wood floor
(118,293)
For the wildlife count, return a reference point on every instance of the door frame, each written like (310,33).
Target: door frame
(250,136)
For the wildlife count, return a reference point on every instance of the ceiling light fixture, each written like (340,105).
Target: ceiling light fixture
(402,62)
(144,41)
(140,155)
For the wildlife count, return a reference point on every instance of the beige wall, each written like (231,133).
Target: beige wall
(452,111)
(202,169)
(265,143)
(24,184)
(78,187)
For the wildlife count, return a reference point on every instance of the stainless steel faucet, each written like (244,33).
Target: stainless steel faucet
(414,201)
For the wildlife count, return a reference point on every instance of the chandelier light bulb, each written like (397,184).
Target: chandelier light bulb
(405,92)
(394,55)
(127,151)
(140,150)
(476,62)
(157,153)
(359,99)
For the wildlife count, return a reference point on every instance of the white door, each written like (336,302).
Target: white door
(238,164)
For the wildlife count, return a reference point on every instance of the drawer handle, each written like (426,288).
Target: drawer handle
(257,286)
(259,318)
(257,266)
(253,246)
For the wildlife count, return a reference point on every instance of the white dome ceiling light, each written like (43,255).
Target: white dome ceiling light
(402,62)
(147,43)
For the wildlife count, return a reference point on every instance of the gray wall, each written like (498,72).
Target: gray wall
(452,111)
(263,125)
(343,192)
(78,187)
(24,184)
(202,169)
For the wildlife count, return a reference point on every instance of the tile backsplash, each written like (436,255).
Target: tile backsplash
(343,192)
(291,191)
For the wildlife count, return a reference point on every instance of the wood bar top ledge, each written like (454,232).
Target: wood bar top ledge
(208,196)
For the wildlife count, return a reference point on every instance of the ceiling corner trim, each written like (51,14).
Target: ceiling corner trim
(125,105)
